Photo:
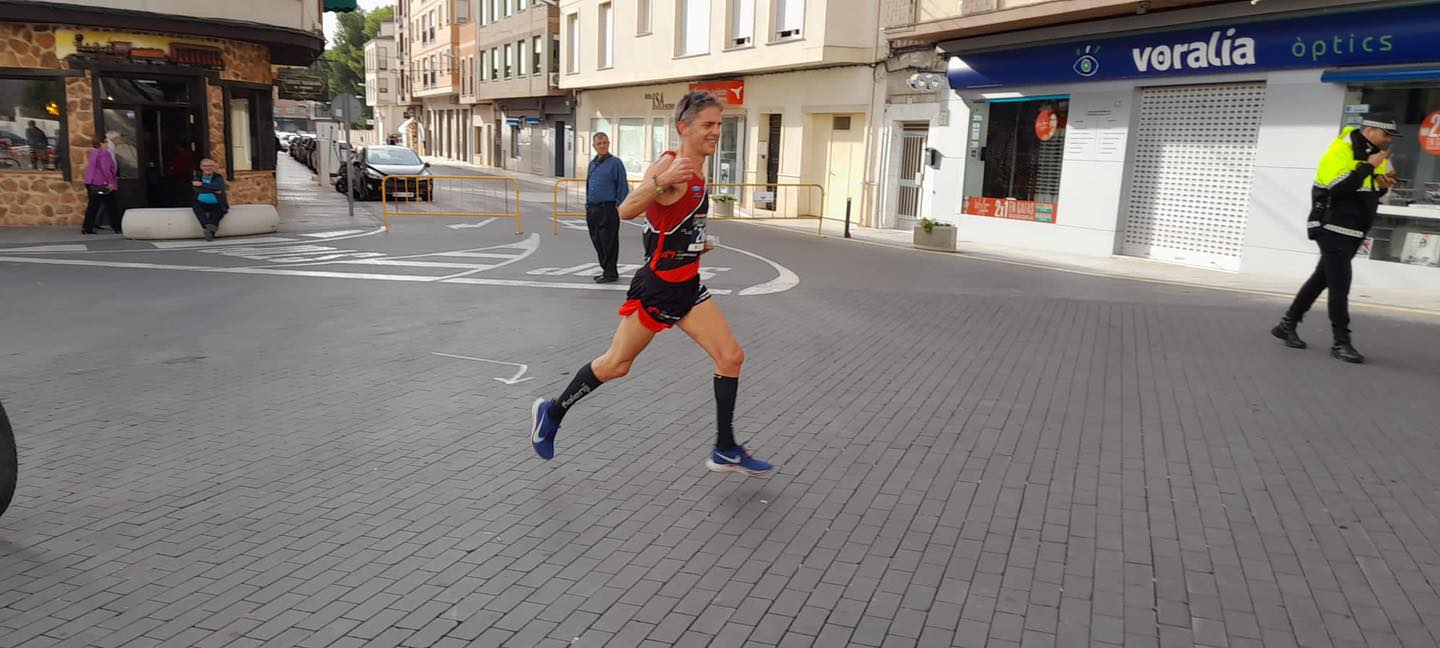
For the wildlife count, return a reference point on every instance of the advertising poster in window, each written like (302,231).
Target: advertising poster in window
(1023,152)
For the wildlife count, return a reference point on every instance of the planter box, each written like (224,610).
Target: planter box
(941,238)
(722,208)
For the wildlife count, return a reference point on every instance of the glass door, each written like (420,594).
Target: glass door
(728,164)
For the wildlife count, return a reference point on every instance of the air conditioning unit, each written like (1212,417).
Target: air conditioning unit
(554,79)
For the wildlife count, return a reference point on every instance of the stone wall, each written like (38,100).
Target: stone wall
(252,188)
(45,198)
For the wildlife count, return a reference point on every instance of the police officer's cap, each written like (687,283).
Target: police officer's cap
(1383,122)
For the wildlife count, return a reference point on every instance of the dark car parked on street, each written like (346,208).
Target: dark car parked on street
(393,165)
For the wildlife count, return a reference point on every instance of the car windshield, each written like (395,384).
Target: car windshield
(391,156)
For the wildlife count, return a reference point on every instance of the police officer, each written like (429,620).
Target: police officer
(1353,175)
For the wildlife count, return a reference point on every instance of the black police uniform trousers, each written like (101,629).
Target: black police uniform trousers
(1332,273)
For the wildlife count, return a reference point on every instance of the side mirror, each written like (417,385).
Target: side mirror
(426,165)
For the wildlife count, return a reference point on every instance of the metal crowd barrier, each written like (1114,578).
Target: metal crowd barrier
(750,201)
(464,196)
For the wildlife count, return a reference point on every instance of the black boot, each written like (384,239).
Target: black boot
(1285,330)
(1344,351)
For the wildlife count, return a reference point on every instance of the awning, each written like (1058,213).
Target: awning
(341,6)
(1382,74)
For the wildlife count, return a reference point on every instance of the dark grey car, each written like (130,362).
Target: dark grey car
(378,164)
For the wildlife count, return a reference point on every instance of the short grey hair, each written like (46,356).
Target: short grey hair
(599,135)
(691,104)
(111,135)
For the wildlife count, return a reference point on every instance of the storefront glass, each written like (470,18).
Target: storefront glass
(1022,150)
(1407,228)
(31,113)
(631,145)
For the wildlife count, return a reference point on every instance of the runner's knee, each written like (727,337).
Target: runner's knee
(607,370)
(728,359)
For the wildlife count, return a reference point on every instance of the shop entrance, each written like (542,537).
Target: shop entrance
(162,136)
(727,166)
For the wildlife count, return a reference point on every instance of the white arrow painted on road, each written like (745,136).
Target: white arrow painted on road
(509,381)
(478,225)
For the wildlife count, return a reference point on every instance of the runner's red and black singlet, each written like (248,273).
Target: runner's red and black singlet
(668,285)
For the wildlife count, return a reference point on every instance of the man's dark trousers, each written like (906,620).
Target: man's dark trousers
(603,219)
(1332,273)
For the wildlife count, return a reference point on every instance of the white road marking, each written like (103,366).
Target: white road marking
(785,281)
(509,381)
(326,235)
(181,245)
(47,248)
(478,225)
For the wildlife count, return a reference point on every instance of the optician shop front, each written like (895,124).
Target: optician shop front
(1190,138)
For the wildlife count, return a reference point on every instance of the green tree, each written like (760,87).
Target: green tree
(343,63)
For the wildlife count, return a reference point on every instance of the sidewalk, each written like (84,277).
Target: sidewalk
(1413,302)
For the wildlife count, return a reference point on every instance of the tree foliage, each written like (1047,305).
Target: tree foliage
(343,63)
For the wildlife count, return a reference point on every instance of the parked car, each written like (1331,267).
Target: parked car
(378,164)
(283,139)
(300,145)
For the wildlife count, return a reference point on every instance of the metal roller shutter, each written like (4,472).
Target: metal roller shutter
(1192,173)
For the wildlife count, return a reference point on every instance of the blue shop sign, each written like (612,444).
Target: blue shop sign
(1380,37)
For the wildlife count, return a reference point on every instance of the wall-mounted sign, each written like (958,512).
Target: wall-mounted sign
(116,47)
(299,84)
(657,101)
(730,92)
(1373,37)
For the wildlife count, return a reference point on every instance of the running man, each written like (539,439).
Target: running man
(667,291)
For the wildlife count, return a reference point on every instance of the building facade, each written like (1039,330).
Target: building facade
(440,46)
(522,119)
(382,83)
(798,78)
(177,81)
(1188,135)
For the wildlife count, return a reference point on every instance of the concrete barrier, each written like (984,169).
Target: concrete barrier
(161,223)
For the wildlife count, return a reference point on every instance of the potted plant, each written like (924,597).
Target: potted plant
(722,205)
(931,234)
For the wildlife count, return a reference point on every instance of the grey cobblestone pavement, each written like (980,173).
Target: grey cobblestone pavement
(972,454)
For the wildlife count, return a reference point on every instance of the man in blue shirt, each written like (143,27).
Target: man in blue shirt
(606,186)
(210,202)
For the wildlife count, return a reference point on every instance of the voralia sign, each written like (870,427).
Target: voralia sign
(1376,37)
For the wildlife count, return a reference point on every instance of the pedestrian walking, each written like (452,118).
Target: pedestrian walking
(39,146)
(101,183)
(667,292)
(606,186)
(1353,175)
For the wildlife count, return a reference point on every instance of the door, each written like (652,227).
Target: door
(843,166)
(157,154)
(728,165)
(560,149)
(912,175)
(770,157)
(1193,167)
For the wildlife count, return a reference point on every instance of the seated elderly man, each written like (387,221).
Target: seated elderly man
(210,203)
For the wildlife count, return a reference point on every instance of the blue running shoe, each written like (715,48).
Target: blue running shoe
(737,461)
(543,428)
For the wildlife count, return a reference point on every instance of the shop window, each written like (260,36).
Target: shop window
(251,147)
(1021,153)
(515,131)
(658,128)
(1407,227)
(631,144)
(32,118)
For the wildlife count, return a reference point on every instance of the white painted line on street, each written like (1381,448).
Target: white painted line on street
(406,263)
(180,245)
(326,235)
(80,247)
(472,225)
(473,255)
(509,381)
(785,281)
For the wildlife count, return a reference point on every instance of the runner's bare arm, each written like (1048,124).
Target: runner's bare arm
(666,173)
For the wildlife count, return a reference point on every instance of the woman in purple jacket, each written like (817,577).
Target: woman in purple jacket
(101,183)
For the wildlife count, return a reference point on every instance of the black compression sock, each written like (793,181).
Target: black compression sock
(725,390)
(584,383)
